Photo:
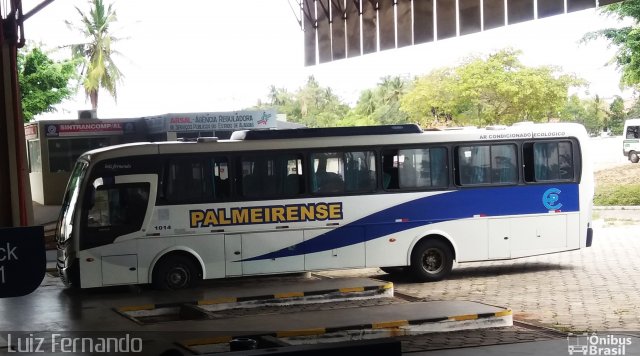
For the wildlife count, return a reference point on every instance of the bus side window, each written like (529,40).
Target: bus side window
(271,176)
(221,186)
(360,171)
(415,168)
(294,181)
(187,180)
(548,161)
(503,164)
(438,167)
(474,164)
(293,184)
(495,164)
(390,170)
(329,170)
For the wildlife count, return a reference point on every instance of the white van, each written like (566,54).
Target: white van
(631,140)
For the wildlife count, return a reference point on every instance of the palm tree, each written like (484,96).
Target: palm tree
(391,89)
(367,103)
(96,53)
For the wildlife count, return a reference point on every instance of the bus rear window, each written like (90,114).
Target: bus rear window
(548,161)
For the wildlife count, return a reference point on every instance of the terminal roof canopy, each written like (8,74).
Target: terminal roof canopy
(337,29)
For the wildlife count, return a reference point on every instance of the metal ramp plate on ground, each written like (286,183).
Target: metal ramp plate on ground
(255,296)
(363,323)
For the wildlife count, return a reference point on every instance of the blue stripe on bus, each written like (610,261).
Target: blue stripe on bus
(447,206)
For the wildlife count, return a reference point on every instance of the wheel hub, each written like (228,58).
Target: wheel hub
(178,277)
(432,261)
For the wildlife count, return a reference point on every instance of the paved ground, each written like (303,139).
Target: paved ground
(595,289)
(606,152)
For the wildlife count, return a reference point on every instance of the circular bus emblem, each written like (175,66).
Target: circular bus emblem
(550,199)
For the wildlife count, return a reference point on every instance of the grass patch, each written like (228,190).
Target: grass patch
(615,194)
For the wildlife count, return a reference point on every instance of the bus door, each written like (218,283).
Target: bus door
(116,211)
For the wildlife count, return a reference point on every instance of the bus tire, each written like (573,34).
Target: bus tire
(175,272)
(431,260)
(634,157)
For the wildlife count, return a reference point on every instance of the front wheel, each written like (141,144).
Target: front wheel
(175,272)
(634,157)
(431,260)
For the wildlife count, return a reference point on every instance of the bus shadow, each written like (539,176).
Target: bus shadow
(481,272)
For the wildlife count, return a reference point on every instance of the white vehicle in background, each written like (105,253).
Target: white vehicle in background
(631,140)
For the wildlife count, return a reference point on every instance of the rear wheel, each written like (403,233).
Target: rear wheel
(175,272)
(634,157)
(431,260)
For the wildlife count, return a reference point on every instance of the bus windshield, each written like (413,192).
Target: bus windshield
(65,220)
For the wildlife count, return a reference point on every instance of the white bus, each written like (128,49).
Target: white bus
(281,201)
(631,140)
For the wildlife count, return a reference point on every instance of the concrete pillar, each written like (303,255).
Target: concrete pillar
(15,195)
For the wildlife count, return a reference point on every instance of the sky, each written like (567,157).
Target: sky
(221,55)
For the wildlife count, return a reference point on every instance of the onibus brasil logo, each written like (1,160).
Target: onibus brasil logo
(594,344)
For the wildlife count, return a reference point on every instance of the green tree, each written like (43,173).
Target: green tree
(381,105)
(616,116)
(634,110)
(590,112)
(627,39)
(432,99)
(98,69)
(596,113)
(43,82)
(367,103)
(389,92)
(497,89)
(312,105)
(279,96)
(574,110)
